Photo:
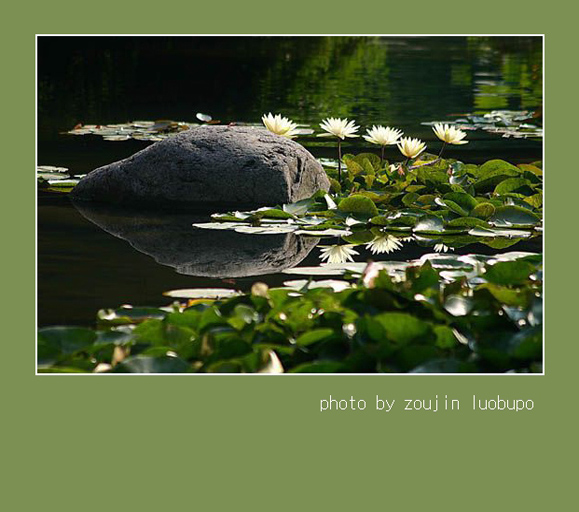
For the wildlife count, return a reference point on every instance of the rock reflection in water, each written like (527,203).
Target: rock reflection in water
(171,240)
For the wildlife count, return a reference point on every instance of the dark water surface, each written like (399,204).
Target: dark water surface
(89,260)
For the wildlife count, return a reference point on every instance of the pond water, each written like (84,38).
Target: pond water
(90,258)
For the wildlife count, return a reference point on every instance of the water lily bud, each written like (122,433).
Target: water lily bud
(260,290)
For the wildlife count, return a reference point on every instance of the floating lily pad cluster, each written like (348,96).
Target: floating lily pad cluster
(434,200)
(508,123)
(51,178)
(139,130)
(443,313)
(154,131)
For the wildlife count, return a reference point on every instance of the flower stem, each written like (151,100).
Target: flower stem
(441,149)
(340,161)
(382,157)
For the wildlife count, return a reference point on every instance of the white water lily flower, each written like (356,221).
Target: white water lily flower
(338,253)
(384,244)
(411,148)
(442,248)
(330,202)
(383,136)
(337,127)
(449,134)
(280,125)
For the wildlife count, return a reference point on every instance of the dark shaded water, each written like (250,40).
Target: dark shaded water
(397,81)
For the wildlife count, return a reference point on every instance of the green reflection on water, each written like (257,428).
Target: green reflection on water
(399,81)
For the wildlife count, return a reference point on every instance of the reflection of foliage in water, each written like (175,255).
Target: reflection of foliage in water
(331,76)
(518,79)
(378,80)
(399,79)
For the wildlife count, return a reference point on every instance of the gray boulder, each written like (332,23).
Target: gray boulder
(209,166)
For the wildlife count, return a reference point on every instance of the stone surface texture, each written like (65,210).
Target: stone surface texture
(209,166)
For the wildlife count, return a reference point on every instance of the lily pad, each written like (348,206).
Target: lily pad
(506,216)
(483,210)
(202,293)
(509,272)
(429,224)
(266,230)
(508,233)
(314,336)
(402,328)
(514,185)
(358,205)
(334,284)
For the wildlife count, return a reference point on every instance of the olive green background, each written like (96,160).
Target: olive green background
(258,442)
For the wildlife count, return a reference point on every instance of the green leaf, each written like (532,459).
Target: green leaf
(367,166)
(483,211)
(380,220)
(429,224)
(509,272)
(335,186)
(358,205)
(369,180)
(128,315)
(56,341)
(61,369)
(531,168)
(465,201)
(426,200)
(314,336)
(149,364)
(373,159)
(527,344)
(514,185)
(402,328)
(423,277)
(509,296)
(410,356)
(359,237)
(445,337)
(158,332)
(454,207)
(431,177)
(536,200)
(409,198)
(354,167)
(492,173)
(506,216)
(274,213)
(492,167)
(113,338)
(466,222)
